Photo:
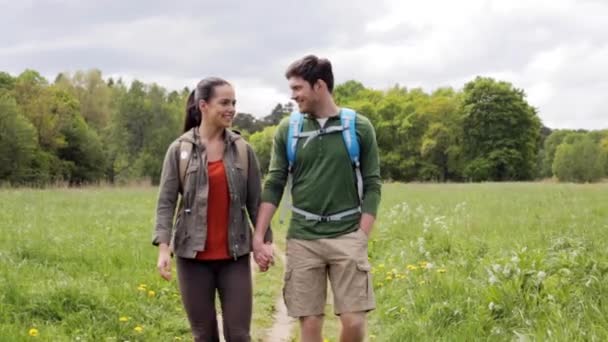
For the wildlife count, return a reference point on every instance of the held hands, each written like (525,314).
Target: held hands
(262,253)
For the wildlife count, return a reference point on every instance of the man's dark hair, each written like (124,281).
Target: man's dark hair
(312,68)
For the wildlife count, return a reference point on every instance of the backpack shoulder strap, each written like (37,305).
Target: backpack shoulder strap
(242,154)
(348,119)
(295,127)
(185,151)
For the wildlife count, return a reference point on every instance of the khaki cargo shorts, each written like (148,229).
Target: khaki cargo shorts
(344,260)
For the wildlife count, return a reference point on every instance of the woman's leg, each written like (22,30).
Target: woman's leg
(234,286)
(197,283)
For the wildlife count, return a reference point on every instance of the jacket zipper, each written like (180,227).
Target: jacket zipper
(232,199)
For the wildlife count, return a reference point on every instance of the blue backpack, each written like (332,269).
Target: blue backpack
(349,136)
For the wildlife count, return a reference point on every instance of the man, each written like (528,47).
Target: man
(334,205)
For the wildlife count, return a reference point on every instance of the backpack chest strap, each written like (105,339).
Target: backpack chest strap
(313,134)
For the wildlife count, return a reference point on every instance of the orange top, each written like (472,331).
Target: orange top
(216,246)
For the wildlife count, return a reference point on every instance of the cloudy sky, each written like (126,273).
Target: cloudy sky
(556,50)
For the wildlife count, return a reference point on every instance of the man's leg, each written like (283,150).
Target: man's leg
(353,326)
(311,328)
(351,282)
(305,286)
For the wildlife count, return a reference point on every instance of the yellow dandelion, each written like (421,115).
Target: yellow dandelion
(379,284)
(412,267)
(441,270)
(389,278)
(381,266)
(325,340)
(151,293)
(143,285)
(372,336)
(422,282)
(373,270)
(402,310)
(400,276)
(142,288)
(33,332)
(123,319)
(138,329)
(394,271)
(177,338)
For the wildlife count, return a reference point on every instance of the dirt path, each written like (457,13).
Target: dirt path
(283,324)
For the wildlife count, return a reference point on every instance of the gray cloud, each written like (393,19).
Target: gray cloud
(556,51)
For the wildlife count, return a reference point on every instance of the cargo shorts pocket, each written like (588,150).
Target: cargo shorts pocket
(288,288)
(363,279)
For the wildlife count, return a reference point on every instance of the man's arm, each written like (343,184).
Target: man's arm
(271,195)
(254,192)
(370,171)
(265,214)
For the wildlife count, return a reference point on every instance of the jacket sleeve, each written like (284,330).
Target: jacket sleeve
(167,197)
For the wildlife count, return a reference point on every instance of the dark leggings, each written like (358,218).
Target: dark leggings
(198,281)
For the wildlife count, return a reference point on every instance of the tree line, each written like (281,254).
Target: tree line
(82,129)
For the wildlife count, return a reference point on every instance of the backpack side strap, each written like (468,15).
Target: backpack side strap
(185,152)
(242,154)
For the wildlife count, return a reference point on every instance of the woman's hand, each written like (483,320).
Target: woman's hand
(262,253)
(164,261)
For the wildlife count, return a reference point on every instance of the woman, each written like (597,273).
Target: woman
(217,175)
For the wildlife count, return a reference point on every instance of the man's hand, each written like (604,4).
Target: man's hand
(366,223)
(262,253)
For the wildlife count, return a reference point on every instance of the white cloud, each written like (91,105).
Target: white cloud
(556,50)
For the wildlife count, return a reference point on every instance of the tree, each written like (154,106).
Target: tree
(92,93)
(7,82)
(163,127)
(17,142)
(441,145)
(348,91)
(277,114)
(501,132)
(604,150)
(83,153)
(262,145)
(247,123)
(581,161)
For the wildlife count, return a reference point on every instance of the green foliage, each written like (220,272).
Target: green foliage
(17,141)
(580,161)
(83,153)
(262,145)
(78,265)
(85,129)
(502,132)
(441,274)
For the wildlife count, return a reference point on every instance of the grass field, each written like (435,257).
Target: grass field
(450,262)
